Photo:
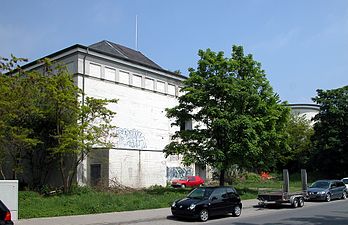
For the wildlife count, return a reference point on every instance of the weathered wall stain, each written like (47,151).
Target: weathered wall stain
(178,172)
(130,138)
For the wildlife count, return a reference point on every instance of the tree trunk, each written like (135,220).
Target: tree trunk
(62,172)
(222,177)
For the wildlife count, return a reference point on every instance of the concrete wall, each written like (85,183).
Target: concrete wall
(143,129)
(9,196)
(306,110)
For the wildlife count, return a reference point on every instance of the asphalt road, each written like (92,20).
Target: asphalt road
(318,213)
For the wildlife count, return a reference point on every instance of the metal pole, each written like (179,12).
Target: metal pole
(286,181)
(304,180)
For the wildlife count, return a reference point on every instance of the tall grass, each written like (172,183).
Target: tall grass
(88,201)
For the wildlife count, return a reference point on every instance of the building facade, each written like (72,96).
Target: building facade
(144,90)
(307,111)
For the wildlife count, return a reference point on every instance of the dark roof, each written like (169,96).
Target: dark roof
(115,50)
(123,52)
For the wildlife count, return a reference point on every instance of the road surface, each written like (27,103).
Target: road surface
(322,213)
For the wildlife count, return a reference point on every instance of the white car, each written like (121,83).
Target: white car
(345,181)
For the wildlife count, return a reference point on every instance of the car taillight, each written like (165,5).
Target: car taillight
(7,216)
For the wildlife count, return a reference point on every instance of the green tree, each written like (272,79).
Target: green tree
(330,137)
(300,132)
(43,120)
(237,116)
(18,106)
(78,128)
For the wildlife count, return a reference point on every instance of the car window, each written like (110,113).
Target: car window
(340,184)
(200,193)
(345,180)
(191,178)
(219,193)
(320,184)
(231,192)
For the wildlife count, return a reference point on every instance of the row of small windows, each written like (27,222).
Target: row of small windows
(131,79)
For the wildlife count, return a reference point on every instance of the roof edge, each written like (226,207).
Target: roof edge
(75,46)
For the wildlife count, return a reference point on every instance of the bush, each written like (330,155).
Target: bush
(252,177)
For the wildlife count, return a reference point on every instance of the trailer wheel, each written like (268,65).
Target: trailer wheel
(300,202)
(295,203)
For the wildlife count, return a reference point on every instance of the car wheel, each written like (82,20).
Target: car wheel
(328,197)
(203,215)
(237,210)
(300,202)
(183,185)
(344,195)
(295,203)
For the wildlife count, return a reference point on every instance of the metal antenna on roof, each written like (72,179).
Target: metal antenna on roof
(136,32)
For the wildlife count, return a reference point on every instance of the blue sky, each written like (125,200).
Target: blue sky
(301,44)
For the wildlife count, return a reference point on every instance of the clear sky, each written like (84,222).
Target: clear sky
(301,44)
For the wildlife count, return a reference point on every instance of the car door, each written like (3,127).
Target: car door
(233,199)
(218,202)
(341,188)
(191,181)
(335,191)
(332,190)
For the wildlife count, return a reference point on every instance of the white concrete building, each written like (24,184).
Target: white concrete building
(308,111)
(144,90)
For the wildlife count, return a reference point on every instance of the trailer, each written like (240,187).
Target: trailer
(296,199)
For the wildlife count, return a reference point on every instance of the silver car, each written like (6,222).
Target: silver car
(326,190)
(345,181)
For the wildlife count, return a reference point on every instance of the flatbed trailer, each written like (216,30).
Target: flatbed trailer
(296,199)
(280,197)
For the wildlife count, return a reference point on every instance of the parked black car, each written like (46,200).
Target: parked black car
(204,202)
(5,215)
(326,190)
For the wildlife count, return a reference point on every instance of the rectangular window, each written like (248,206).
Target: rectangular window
(137,80)
(94,70)
(123,77)
(171,89)
(110,74)
(70,67)
(149,83)
(160,86)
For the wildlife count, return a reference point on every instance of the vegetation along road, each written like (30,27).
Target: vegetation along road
(335,212)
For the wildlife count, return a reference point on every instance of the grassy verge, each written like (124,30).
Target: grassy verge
(89,201)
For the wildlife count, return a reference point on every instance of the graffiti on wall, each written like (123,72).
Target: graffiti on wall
(130,138)
(178,172)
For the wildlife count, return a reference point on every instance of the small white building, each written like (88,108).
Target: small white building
(144,90)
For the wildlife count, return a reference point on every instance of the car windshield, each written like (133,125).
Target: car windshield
(320,184)
(200,193)
(345,180)
(184,178)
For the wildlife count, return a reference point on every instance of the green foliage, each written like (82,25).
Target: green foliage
(300,132)
(237,116)
(43,120)
(8,65)
(253,177)
(18,110)
(330,139)
(87,201)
